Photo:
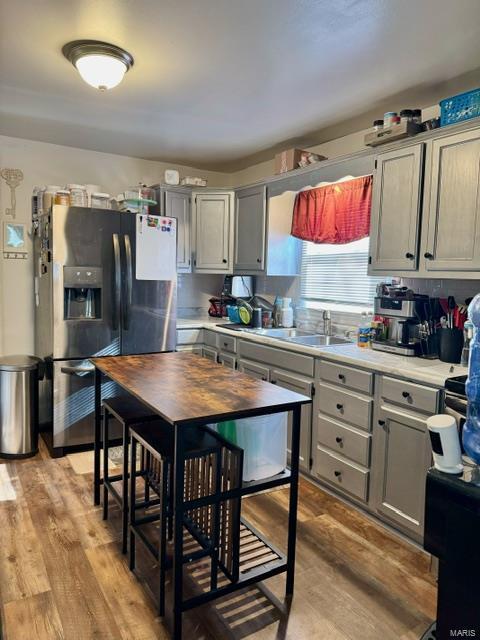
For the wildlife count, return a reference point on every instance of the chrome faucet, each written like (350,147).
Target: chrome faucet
(327,323)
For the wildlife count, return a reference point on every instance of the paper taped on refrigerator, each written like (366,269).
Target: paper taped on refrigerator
(156,254)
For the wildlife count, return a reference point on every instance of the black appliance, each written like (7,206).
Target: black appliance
(409,326)
(452,534)
(456,401)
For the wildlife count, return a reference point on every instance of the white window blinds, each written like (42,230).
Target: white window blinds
(337,273)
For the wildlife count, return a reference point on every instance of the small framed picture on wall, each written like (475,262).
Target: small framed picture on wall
(14,240)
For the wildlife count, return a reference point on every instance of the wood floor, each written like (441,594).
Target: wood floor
(62,575)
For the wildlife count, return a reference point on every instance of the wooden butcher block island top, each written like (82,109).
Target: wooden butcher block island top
(185,388)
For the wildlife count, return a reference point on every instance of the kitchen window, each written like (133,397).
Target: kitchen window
(333,273)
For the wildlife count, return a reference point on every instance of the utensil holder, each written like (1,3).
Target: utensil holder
(450,345)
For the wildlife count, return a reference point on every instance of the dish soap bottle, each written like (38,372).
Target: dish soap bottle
(471,429)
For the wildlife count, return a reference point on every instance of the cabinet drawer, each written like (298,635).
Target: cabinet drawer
(346,376)
(189,336)
(227,360)
(255,370)
(226,343)
(210,338)
(341,473)
(276,357)
(345,406)
(210,353)
(345,440)
(408,394)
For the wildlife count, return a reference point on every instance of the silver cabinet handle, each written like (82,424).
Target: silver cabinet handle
(117,282)
(128,282)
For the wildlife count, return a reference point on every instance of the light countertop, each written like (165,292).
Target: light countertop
(200,322)
(433,372)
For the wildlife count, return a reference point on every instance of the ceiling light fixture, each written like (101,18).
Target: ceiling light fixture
(100,64)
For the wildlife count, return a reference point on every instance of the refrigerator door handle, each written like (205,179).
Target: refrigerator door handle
(128,283)
(81,371)
(117,275)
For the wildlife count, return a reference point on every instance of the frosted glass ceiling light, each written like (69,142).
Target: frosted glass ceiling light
(100,64)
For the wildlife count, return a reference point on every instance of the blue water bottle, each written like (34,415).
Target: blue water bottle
(471,429)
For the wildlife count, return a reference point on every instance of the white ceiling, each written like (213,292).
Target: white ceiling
(217,81)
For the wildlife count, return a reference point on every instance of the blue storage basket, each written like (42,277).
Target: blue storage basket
(462,107)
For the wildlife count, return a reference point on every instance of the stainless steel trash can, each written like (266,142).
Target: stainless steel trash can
(19,377)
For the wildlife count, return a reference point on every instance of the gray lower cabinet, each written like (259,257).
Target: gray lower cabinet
(255,370)
(304,386)
(294,382)
(452,204)
(213,232)
(210,353)
(250,226)
(342,416)
(178,205)
(401,457)
(396,202)
(227,359)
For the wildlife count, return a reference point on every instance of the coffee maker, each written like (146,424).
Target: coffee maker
(406,325)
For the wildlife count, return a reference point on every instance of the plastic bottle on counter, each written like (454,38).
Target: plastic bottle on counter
(286,313)
(471,429)
(364,333)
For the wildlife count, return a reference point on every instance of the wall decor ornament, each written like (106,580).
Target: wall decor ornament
(13,178)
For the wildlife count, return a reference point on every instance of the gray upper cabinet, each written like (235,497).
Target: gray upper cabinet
(452,204)
(250,225)
(396,201)
(178,205)
(401,457)
(213,232)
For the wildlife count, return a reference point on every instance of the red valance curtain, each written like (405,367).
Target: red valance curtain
(334,214)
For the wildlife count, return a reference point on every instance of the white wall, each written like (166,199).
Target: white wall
(332,149)
(41,164)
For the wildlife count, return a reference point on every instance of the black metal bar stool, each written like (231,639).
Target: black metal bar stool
(212,465)
(128,411)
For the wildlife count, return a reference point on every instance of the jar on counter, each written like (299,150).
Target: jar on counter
(378,125)
(395,120)
(406,115)
(417,116)
(78,195)
(388,118)
(100,201)
(62,197)
(35,193)
(48,197)
(267,319)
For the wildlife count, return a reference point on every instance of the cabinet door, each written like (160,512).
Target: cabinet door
(250,221)
(396,200)
(255,370)
(453,203)
(177,205)
(401,457)
(303,386)
(213,233)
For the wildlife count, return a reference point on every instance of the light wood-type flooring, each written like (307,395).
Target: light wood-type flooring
(62,575)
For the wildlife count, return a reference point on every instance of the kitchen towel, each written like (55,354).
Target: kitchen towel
(338,213)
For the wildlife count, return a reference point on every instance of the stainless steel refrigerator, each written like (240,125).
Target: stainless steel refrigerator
(105,284)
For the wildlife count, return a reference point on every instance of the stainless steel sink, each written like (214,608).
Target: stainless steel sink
(317,340)
(281,333)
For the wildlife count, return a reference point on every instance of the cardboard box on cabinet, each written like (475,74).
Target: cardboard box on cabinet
(294,158)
